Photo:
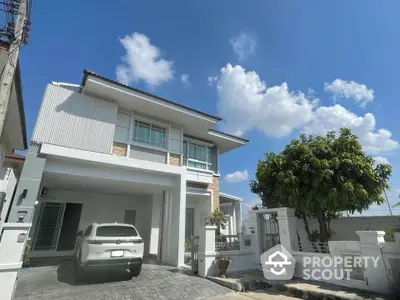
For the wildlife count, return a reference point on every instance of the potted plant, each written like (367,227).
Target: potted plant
(223,263)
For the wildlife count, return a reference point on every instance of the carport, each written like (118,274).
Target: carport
(77,191)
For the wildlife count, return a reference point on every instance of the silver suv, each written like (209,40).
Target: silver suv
(108,246)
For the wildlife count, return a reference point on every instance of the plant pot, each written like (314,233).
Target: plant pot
(223,266)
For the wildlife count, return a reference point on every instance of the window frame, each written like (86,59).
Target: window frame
(187,159)
(150,125)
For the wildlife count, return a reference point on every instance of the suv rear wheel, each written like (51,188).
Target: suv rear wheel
(135,271)
(78,271)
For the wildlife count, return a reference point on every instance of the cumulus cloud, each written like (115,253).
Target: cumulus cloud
(142,61)
(237,176)
(381,160)
(335,117)
(244,44)
(246,102)
(185,79)
(350,90)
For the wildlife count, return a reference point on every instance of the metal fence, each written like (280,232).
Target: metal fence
(227,243)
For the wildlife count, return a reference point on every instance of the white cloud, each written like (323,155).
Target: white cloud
(381,160)
(350,90)
(335,117)
(212,79)
(246,102)
(244,44)
(142,61)
(237,176)
(185,79)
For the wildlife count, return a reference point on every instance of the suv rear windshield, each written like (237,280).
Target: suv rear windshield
(116,231)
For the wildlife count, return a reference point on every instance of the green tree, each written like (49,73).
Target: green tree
(321,177)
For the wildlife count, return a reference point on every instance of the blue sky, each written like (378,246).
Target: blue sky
(271,69)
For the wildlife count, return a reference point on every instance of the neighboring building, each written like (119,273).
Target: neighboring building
(106,152)
(231,206)
(14,137)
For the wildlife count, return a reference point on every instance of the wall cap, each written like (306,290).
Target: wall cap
(371,233)
(211,227)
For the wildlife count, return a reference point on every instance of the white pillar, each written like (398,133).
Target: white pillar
(370,246)
(206,254)
(176,224)
(155,225)
(11,246)
(287,227)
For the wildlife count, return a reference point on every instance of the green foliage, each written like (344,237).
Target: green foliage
(218,219)
(321,177)
(389,235)
(25,258)
(224,259)
(188,243)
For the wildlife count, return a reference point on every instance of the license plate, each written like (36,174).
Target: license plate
(118,253)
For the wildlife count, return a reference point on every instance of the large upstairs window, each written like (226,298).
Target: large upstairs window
(149,134)
(196,155)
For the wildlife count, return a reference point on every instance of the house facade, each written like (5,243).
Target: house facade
(105,152)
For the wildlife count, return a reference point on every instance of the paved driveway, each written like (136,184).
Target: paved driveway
(155,282)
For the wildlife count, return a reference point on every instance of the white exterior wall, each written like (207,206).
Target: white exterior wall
(74,120)
(155,224)
(8,183)
(345,228)
(108,208)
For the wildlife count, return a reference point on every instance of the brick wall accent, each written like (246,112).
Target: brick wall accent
(214,186)
(119,149)
(174,159)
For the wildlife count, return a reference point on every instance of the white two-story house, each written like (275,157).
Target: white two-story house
(105,152)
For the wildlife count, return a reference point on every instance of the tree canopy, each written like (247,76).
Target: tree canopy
(321,176)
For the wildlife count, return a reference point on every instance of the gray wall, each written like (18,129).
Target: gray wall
(71,119)
(148,154)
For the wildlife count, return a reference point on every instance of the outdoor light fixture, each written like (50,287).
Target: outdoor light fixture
(21,215)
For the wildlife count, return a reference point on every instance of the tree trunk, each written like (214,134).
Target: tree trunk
(307,229)
(323,226)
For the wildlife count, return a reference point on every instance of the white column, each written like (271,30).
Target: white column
(370,246)
(287,227)
(176,224)
(11,246)
(155,224)
(206,254)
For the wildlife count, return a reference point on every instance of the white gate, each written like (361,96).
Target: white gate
(268,231)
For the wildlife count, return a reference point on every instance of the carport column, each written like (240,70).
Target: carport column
(12,244)
(370,247)
(287,227)
(206,254)
(176,236)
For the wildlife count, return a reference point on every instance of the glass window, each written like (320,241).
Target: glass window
(196,156)
(149,134)
(122,128)
(111,231)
